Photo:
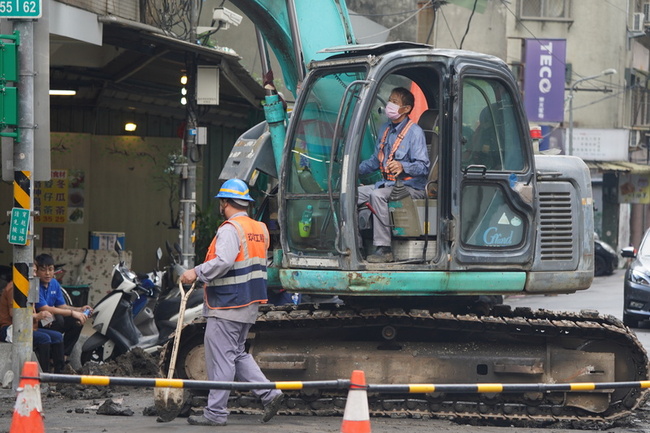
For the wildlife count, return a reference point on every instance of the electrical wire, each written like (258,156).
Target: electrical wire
(449,28)
(469,23)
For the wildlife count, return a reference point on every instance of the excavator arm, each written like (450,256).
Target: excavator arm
(297,30)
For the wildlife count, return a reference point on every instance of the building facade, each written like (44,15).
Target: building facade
(605,98)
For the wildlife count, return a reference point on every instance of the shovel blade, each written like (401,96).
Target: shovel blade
(168,402)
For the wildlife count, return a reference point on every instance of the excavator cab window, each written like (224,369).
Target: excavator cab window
(490,130)
(314,169)
(493,155)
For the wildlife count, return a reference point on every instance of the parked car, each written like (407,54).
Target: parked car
(636,286)
(605,258)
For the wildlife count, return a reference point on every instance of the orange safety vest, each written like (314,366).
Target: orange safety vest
(380,155)
(245,283)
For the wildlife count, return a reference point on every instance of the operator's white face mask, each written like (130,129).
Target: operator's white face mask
(392,111)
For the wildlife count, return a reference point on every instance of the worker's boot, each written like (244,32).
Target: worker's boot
(58,358)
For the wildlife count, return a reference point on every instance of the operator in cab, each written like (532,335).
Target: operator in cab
(234,273)
(400,153)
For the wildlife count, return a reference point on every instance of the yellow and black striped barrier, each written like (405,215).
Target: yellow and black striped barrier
(341,384)
(190,384)
(475,388)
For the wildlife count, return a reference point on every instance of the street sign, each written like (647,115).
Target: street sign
(20,9)
(19,226)
(8,61)
(8,106)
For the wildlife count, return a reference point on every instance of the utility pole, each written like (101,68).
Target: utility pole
(188,176)
(24,297)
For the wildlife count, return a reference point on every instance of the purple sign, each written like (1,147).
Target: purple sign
(544,79)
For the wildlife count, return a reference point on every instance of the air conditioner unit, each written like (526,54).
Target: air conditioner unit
(637,23)
(646,12)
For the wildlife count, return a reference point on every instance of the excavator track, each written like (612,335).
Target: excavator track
(586,331)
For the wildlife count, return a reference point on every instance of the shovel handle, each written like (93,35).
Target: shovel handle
(179,326)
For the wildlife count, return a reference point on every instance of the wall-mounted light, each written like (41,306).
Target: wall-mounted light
(130,127)
(54,92)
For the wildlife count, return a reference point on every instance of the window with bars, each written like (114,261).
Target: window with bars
(545,9)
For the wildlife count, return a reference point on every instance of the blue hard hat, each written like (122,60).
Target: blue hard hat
(235,189)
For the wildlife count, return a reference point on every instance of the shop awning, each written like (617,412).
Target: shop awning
(619,166)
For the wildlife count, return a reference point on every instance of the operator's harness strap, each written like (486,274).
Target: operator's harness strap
(380,155)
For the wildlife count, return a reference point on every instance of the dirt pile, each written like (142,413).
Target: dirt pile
(135,363)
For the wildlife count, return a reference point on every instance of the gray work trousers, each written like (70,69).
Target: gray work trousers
(378,198)
(226,360)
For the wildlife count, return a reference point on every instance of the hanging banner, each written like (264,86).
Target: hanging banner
(544,75)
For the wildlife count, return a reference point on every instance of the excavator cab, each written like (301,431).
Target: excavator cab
(477,212)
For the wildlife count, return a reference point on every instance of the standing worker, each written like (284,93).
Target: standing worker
(234,272)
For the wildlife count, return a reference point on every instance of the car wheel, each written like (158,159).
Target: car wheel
(600,266)
(630,321)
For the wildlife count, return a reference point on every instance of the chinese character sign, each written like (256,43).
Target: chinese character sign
(634,188)
(61,199)
(19,226)
(544,79)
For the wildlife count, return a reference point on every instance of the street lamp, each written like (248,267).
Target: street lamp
(609,71)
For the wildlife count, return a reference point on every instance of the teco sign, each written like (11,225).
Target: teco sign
(544,79)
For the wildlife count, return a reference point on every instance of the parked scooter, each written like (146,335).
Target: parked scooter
(134,315)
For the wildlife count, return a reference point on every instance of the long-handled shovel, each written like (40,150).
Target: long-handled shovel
(169,401)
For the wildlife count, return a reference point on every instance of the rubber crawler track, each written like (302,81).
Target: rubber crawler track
(518,323)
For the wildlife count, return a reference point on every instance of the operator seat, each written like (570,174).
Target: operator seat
(429,123)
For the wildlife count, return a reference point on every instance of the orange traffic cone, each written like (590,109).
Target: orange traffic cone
(28,410)
(356,418)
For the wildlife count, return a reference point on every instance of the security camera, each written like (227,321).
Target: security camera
(226,17)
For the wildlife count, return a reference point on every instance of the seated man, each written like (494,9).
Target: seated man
(401,152)
(47,342)
(67,319)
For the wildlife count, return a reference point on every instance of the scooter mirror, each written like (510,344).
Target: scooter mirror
(169,248)
(159,253)
(178,248)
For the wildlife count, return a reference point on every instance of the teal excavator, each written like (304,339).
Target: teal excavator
(496,220)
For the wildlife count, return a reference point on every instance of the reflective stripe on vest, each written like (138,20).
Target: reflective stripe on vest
(387,174)
(245,283)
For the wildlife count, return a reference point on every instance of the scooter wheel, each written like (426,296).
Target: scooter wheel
(96,355)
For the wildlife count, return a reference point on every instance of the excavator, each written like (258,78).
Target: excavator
(496,220)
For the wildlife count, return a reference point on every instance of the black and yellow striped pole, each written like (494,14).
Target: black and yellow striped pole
(419,388)
(22,269)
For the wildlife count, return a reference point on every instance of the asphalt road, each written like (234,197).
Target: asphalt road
(76,416)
